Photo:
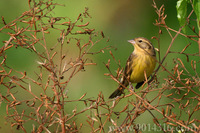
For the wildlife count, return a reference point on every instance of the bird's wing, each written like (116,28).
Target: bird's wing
(128,70)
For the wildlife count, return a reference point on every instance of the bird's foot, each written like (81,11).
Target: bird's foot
(131,86)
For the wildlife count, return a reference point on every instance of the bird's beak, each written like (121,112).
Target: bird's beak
(131,41)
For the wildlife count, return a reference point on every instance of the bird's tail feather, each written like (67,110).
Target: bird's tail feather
(117,92)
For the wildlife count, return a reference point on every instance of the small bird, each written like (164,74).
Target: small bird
(140,63)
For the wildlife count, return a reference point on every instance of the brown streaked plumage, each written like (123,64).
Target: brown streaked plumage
(141,61)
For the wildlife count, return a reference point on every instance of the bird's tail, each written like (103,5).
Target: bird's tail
(117,92)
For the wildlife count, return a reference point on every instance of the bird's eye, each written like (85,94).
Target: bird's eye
(140,40)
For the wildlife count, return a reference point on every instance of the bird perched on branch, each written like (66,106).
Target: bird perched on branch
(139,66)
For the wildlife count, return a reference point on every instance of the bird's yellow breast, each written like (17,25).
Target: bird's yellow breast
(143,63)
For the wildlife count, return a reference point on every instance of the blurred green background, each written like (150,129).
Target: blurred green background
(120,20)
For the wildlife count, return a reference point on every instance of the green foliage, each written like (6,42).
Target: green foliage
(196,5)
(181,8)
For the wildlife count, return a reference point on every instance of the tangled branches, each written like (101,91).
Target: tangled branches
(169,107)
